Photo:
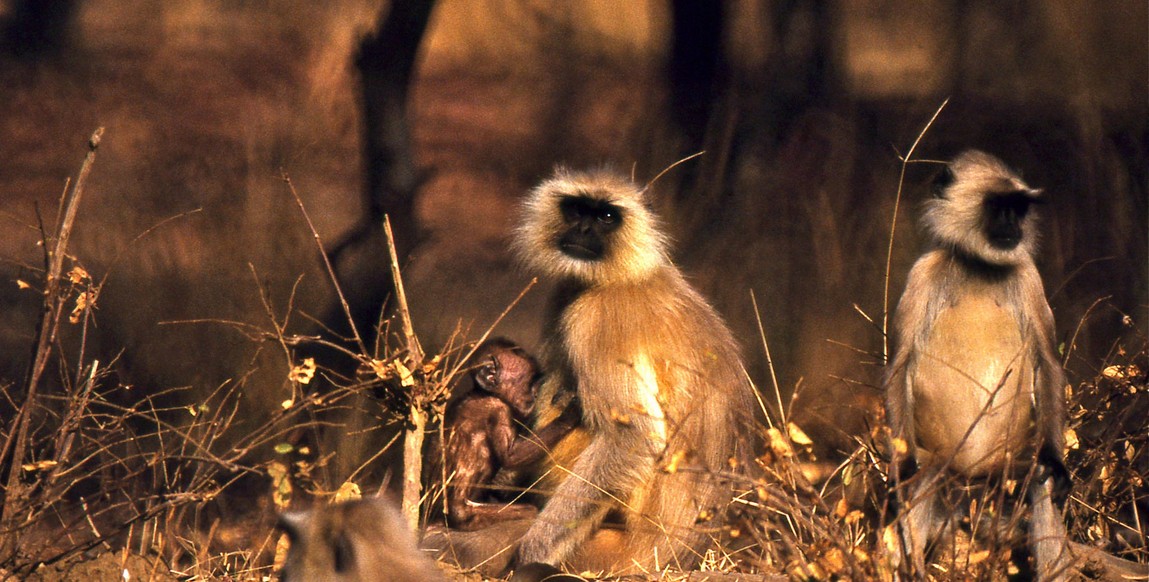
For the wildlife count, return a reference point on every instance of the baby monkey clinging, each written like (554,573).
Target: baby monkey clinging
(483,434)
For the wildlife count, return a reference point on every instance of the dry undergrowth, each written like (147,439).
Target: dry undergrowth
(132,474)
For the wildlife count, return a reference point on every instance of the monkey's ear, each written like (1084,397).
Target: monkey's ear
(292,523)
(944,179)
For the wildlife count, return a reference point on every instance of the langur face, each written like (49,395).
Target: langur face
(589,222)
(1004,216)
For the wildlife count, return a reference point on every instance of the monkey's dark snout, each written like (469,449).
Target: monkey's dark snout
(1005,214)
(582,245)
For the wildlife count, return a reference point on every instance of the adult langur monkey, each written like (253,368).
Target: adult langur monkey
(664,395)
(975,387)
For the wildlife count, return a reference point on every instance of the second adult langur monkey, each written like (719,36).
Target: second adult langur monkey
(975,387)
(664,396)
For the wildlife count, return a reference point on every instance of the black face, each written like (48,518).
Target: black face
(589,221)
(1004,213)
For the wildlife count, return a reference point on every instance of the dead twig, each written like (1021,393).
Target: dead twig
(14,493)
(893,228)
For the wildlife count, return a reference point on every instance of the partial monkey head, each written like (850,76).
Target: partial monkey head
(590,226)
(508,372)
(982,209)
(355,541)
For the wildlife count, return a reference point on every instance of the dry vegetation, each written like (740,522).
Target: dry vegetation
(100,478)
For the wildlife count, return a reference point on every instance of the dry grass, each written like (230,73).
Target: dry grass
(147,474)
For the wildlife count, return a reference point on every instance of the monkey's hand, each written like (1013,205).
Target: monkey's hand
(902,469)
(571,415)
(538,571)
(1052,466)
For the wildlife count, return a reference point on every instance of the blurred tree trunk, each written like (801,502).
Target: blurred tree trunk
(696,63)
(35,28)
(386,61)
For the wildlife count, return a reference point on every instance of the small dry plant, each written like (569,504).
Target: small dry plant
(91,465)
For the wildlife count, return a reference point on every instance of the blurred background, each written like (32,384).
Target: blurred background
(443,114)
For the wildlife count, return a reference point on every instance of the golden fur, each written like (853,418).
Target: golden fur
(975,386)
(661,383)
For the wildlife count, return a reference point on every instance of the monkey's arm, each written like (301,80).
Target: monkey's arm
(529,449)
(469,453)
(910,319)
(622,455)
(1049,386)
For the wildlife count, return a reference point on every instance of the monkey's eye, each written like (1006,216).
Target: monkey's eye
(342,555)
(607,216)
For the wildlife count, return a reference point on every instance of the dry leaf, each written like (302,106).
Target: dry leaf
(797,436)
(432,365)
(78,275)
(22,285)
(406,378)
(280,558)
(842,508)
(281,484)
(1071,442)
(978,557)
(834,561)
(675,460)
(348,491)
(39,466)
(84,301)
(382,371)
(303,373)
(1113,372)
(778,443)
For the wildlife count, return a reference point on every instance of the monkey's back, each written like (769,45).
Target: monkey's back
(975,352)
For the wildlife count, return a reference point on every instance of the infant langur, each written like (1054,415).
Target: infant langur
(486,432)
(975,388)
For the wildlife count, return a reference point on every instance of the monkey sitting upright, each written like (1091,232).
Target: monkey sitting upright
(975,387)
(483,434)
(664,395)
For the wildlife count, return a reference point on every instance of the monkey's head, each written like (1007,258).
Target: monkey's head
(981,208)
(593,227)
(366,539)
(508,372)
